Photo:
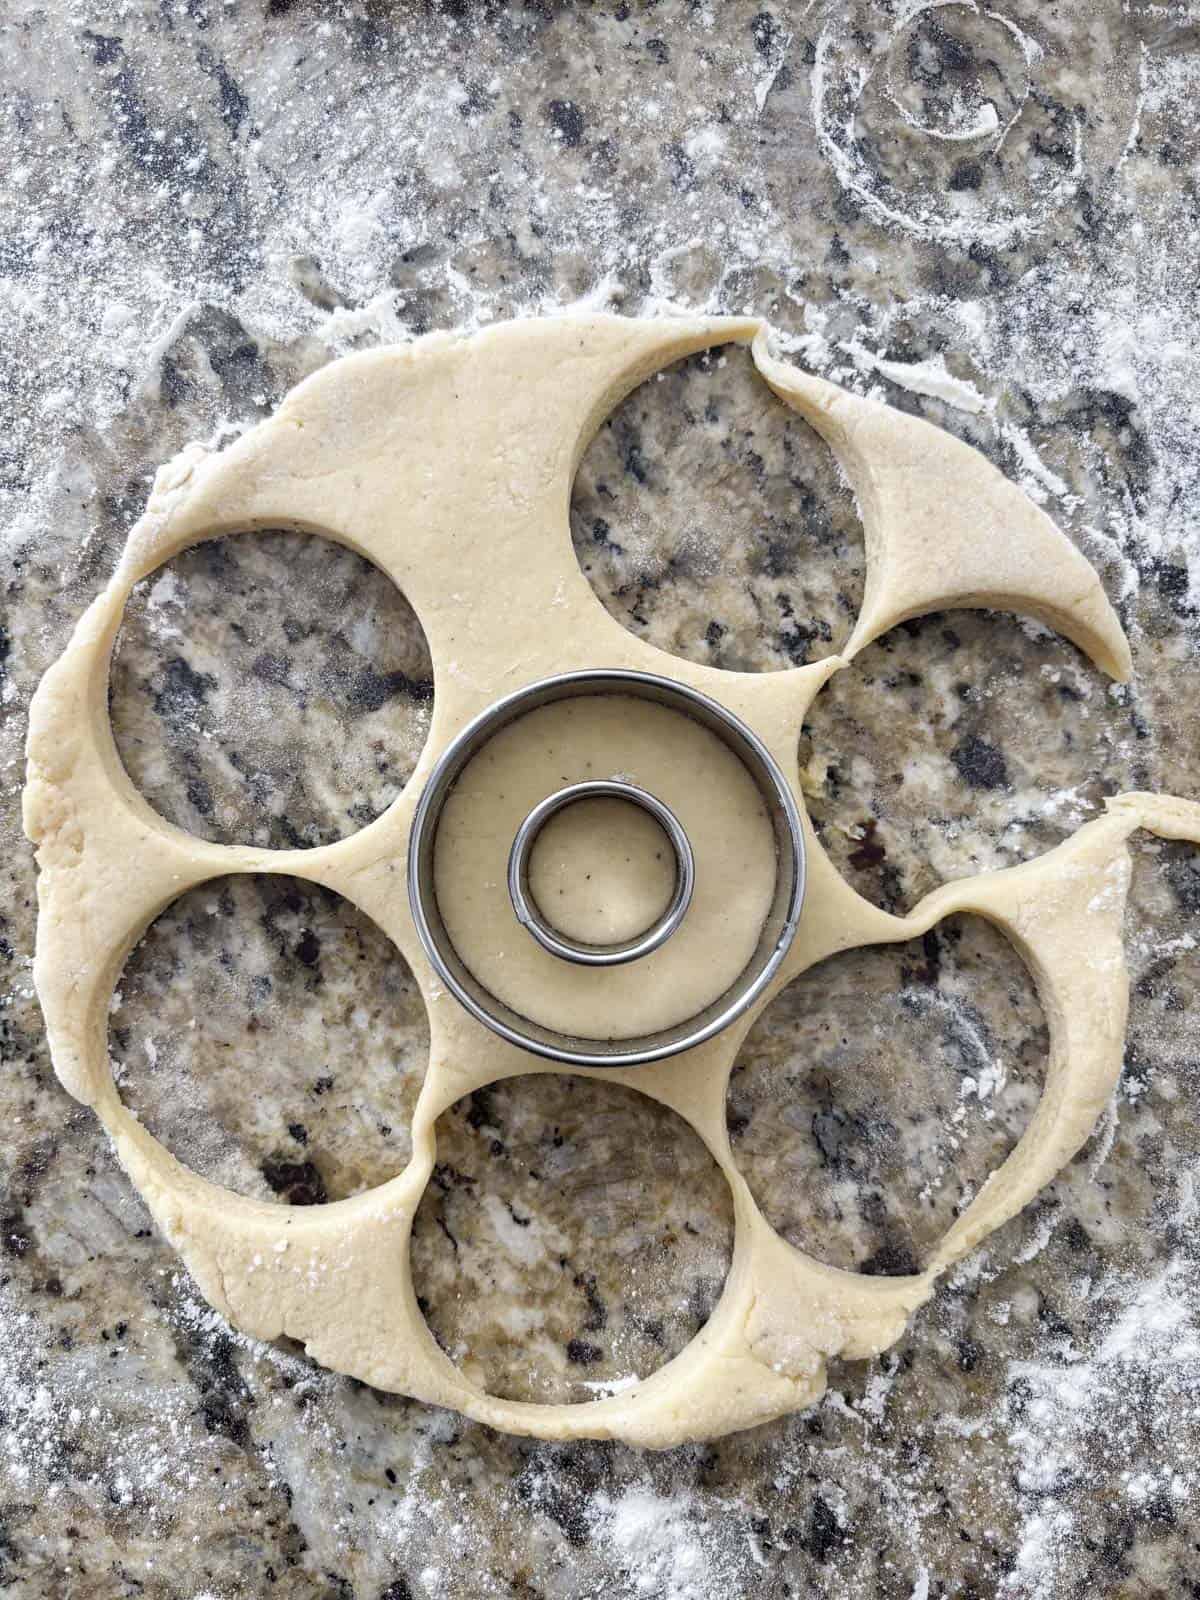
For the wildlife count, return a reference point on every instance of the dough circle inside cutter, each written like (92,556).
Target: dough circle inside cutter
(671,756)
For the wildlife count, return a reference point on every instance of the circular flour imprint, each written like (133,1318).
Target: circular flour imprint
(958,123)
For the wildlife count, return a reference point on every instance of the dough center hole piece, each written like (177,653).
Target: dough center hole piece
(601,871)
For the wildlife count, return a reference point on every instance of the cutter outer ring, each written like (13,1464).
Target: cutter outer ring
(782,920)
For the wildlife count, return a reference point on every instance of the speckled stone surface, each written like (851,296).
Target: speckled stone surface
(988,217)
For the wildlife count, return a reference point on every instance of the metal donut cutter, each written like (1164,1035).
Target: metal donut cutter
(777,933)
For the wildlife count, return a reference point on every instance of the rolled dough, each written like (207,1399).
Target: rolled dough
(405,455)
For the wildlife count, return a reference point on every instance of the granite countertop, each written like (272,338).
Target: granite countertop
(986,217)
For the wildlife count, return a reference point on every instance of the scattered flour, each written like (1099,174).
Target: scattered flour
(660,1542)
(1084,1414)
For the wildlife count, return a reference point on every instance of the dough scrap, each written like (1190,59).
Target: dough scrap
(405,455)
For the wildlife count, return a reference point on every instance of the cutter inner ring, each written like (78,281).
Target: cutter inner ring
(529,914)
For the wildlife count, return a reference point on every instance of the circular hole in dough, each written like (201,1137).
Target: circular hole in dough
(712,521)
(273,1038)
(959,743)
(872,1098)
(602,871)
(1158,1138)
(575,1235)
(271,689)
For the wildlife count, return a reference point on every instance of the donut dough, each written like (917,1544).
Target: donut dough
(601,871)
(449,464)
(669,755)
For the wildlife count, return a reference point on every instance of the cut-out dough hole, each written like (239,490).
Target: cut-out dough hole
(1157,1139)
(273,1038)
(575,1234)
(271,689)
(959,743)
(872,1098)
(713,522)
